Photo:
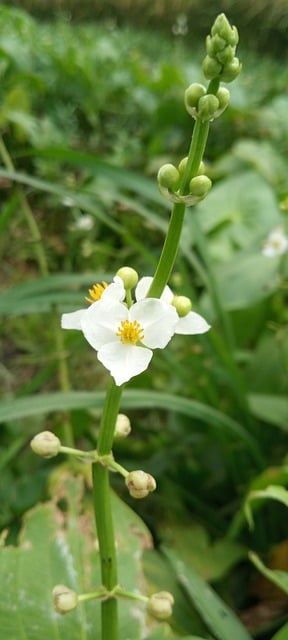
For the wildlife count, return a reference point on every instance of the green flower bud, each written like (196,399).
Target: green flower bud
(192,97)
(160,605)
(64,599)
(129,276)
(123,426)
(223,96)
(201,168)
(207,107)
(140,484)
(200,186)
(46,444)
(226,56)
(168,177)
(222,28)
(231,70)
(211,68)
(214,45)
(182,305)
(182,165)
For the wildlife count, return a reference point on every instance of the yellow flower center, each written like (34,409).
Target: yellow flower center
(130,332)
(96,292)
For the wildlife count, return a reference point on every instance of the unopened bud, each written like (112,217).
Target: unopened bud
(140,484)
(123,426)
(64,599)
(211,68)
(46,444)
(223,95)
(226,56)
(222,28)
(207,107)
(192,97)
(129,276)
(182,165)
(200,186)
(160,605)
(182,305)
(168,177)
(231,70)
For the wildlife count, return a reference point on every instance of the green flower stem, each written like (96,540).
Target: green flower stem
(171,244)
(103,512)
(89,455)
(121,593)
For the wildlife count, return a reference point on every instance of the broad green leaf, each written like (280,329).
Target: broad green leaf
(240,211)
(219,618)
(273,492)
(272,409)
(59,548)
(280,578)
(132,399)
(282,634)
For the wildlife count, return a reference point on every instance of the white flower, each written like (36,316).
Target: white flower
(191,324)
(85,222)
(113,292)
(276,243)
(124,338)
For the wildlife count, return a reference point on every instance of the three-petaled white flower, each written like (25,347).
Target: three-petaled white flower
(276,243)
(124,337)
(190,324)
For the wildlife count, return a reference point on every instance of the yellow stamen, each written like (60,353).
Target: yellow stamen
(130,332)
(96,292)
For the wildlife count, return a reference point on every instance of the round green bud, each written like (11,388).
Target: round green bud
(200,186)
(192,96)
(223,96)
(222,28)
(231,70)
(160,605)
(64,599)
(207,107)
(168,177)
(182,165)
(140,484)
(129,276)
(182,305)
(211,68)
(46,444)
(226,56)
(123,426)
(201,168)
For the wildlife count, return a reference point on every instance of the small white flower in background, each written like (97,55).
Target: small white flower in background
(124,338)
(190,324)
(85,222)
(276,243)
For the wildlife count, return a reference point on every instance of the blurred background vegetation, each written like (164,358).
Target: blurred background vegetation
(91,106)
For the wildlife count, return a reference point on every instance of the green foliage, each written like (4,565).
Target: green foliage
(89,113)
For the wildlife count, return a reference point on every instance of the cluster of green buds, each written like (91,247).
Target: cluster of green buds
(205,106)
(220,61)
(169,180)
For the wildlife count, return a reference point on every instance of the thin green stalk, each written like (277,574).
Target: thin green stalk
(171,244)
(103,513)
(29,217)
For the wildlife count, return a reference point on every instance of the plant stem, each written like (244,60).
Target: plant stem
(103,512)
(171,244)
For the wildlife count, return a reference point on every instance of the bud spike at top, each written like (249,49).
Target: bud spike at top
(220,61)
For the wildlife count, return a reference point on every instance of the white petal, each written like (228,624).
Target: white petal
(192,324)
(124,361)
(157,318)
(143,287)
(72,320)
(101,321)
(115,291)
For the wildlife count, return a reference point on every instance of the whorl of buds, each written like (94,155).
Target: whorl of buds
(220,60)
(140,484)
(46,444)
(160,605)
(129,276)
(64,599)
(207,106)
(123,426)
(169,175)
(182,305)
